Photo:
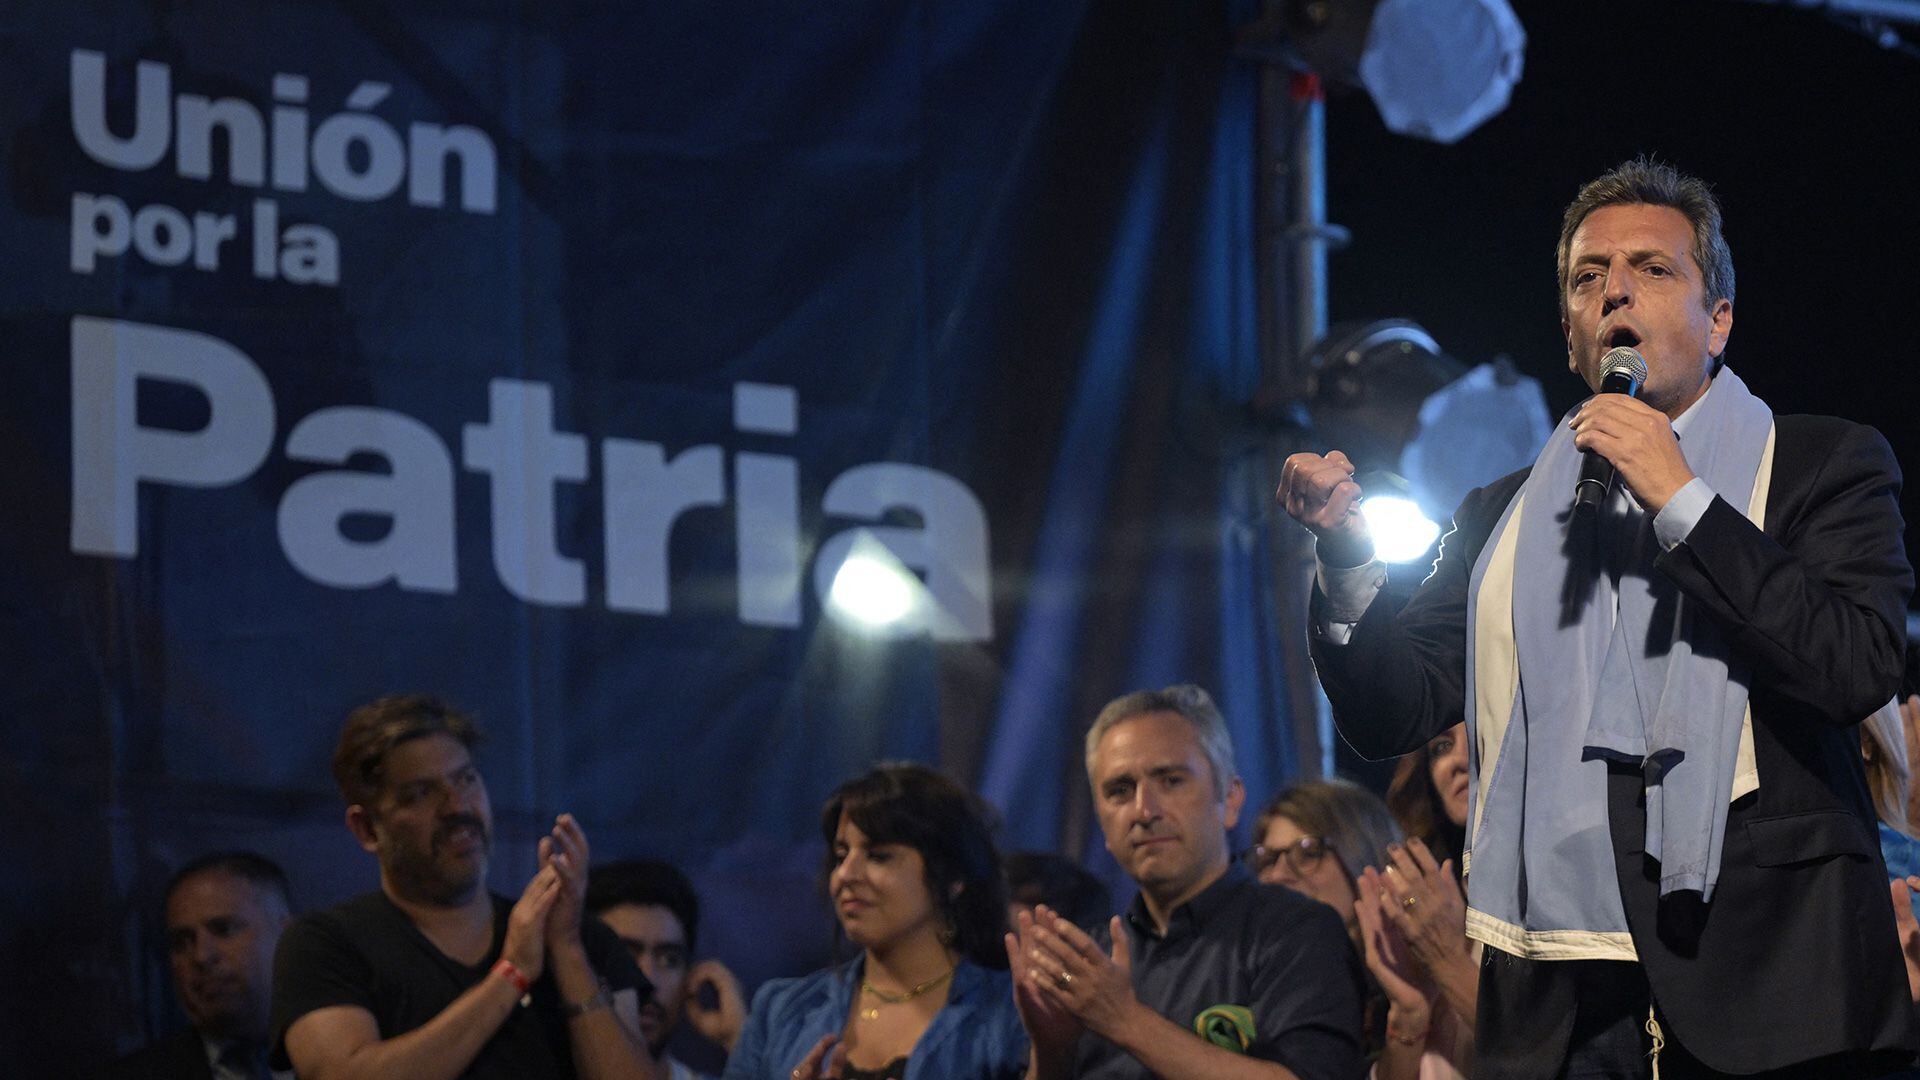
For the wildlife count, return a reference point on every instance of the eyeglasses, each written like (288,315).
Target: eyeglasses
(1303,855)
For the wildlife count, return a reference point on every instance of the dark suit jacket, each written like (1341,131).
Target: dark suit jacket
(1796,957)
(179,1056)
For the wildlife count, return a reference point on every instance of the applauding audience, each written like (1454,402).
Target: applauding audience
(1217,970)
(432,976)
(915,880)
(1262,976)
(1413,914)
(1413,921)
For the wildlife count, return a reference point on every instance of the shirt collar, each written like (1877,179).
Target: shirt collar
(1686,418)
(1192,915)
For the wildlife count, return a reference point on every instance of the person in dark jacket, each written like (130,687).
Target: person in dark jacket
(224,915)
(1661,690)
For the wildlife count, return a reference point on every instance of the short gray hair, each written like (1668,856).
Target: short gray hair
(1646,182)
(1191,704)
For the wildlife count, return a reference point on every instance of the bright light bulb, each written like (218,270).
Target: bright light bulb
(871,591)
(1401,533)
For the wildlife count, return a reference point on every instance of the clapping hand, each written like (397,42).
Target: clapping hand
(1425,904)
(1404,979)
(1049,1024)
(1069,967)
(525,944)
(564,850)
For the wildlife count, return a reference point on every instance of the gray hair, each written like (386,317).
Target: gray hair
(1353,821)
(1645,182)
(1191,704)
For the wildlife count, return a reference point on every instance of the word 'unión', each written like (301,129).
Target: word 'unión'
(354,153)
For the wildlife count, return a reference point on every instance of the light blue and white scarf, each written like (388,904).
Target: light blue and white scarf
(1606,643)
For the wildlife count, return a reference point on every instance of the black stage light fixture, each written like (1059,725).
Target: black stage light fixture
(1367,384)
(1421,428)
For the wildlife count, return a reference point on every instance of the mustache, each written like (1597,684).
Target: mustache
(462,821)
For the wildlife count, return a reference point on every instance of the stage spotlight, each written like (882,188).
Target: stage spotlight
(1401,532)
(872,592)
(1401,409)
(1436,69)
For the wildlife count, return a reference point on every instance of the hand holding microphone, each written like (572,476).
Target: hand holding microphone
(1622,371)
(1616,431)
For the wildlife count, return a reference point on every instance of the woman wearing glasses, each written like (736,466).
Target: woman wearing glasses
(1316,836)
(1326,839)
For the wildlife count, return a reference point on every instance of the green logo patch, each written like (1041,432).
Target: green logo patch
(1229,1027)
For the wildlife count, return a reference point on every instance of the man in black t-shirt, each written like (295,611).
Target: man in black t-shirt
(434,976)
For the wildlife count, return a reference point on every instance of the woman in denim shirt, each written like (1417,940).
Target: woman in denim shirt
(915,882)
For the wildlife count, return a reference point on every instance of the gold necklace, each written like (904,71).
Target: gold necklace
(872,1012)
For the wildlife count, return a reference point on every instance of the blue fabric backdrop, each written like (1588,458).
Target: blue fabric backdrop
(1004,251)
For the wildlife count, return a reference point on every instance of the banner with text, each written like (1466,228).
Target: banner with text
(714,402)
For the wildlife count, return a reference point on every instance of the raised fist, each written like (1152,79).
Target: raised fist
(1319,493)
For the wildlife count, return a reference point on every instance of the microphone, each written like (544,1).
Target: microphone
(1622,371)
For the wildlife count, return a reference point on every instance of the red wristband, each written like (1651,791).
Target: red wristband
(505,968)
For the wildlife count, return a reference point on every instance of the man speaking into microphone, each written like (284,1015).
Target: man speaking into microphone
(1671,855)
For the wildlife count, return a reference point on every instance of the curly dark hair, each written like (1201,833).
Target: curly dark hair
(951,829)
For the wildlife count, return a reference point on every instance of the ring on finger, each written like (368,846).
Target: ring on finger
(1409,902)
(1064,980)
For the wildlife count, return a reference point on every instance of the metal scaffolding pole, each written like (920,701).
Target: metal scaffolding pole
(1292,275)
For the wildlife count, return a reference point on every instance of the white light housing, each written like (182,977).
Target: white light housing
(1401,533)
(872,591)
